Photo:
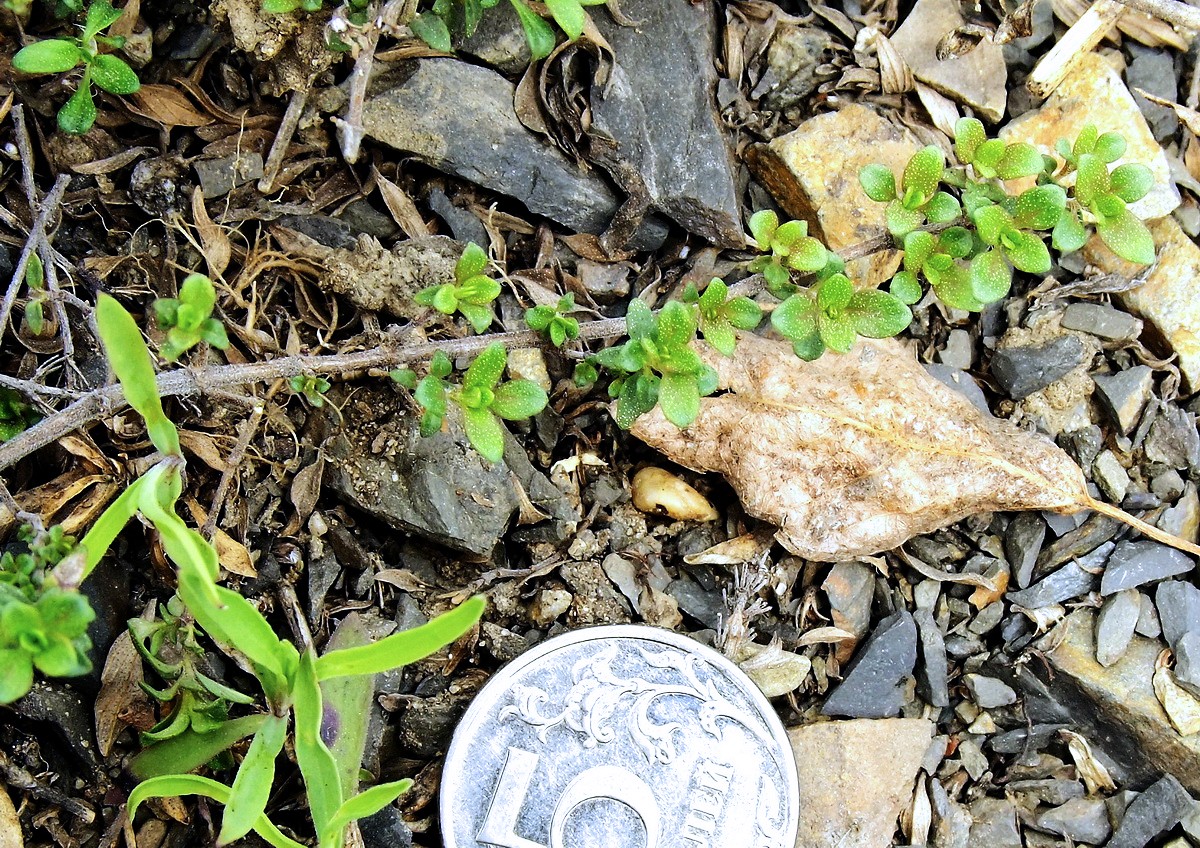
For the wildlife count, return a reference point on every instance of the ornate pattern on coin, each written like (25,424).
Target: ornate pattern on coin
(619,737)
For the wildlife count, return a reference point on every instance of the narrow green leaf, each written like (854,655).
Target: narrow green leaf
(111,522)
(113,75)
(369,802)
(78,114)
(878,182)
(538,33)
(486,369)
(517,400)
(252,785)
(433,31)
(878,315)
(405,647)
(100,16)
(1128,237)
(171,786)
(131,363)
(679,398)
(484,432)
(319,769)
(52,56)
(190,749)
(569,15)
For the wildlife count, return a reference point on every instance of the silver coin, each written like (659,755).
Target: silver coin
(619,737)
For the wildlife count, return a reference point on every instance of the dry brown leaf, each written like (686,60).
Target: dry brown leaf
(1094,773)
(855,454)
(205,448)
(306,487)
(166,105)
(214,243)
(402,578)
(10,825)
(232,554)
(734,551)
(1181,706)
(119,694)
(1190,118)
(404,211)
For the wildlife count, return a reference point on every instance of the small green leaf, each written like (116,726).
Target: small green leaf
(517,400)
(1131,181)
(676,326)
(252,785)
(837,333)
(321,779)
(369,802)
(433,31)
(679,398)
(539,317)
(113,75)
(991,222)
(991,278)
(807,254)
(484,372)
(763,225)
(988,156)
(714,296)
(479,317)
(639,394)
(953,288)
(640,322)
(1027,252)
(1110,147)
(968,135)
(1069,233)
(173,785)
(787,236)
(918,246)
(78,114)
(1128,237)
(52,56)
(472,263)
(878,315)
(743,313)
(878,182)
(1085,142)
(484,432)
(956,242)
(1040,208)
(1019,160)
(1092,179)
(479,290)
(833,294)
(810,347)
(538,33)
(440,365)
(569,15)
(100,16)
(942,208)
(796,317)
(905,287)
(923,173)
(902,221)
(719,333)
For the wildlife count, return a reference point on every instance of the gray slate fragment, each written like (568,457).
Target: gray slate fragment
(1123,395)
(951,820)
(792,60)
(959,352)
(385,829)
(1080,819)
(1102,321)
(1021,739)
(1068,582)
(1052,791)
(874,683)
(1173,439)
(1187,661)
(701,604)
(1115,625)
(961,382)
(989,692)
(1148,624)
(658,107)
(218,177)
(1110,476)
(994,823)
(1021,371)
(1153,71)
(1178,603)
(1022,543)
(1134,563)
(1156,810)
(460,118)
(933,671)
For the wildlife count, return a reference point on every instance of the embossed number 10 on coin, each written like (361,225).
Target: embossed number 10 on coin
(619,737)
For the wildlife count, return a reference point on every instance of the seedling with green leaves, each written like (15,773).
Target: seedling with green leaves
(471,293)
(719,315)
(35,281)
(482,398)
(16,415)
(43,624)
(554,322)
(188,319)
(437,25)
(787,247)
(311,387)
(831,314)
(919,199)
(107,71)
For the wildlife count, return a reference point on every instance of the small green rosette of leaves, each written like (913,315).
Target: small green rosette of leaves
(16,415)
(429,392)
(1107,194)
(49,634)
(471,293)
(832,315)
(992,159)
(918,199)
(188,318)
(787,247)
(484,400)
(554,322)
(720,316)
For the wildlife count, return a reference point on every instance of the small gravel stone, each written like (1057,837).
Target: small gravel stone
(959,352)
(989,692)
(1102,321)
(701,604)
(1111,476)
(1168,485)
(1052,791)
(1178,603)
(987,619)
(994,824)
(1147,623)
(1115,625)
(932,672)
(850,588)
(874,683)
(961,382)
(1068,582)
(1173,439)
(1080,819)
(1134,563)
(1124,395)
(1022,543)
(1021,371)
(1156,810)
(1187,661)
(1153,71)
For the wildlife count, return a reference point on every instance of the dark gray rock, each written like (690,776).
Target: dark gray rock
(1135,563)
(1024,739)
(1080,819)
(1115,625)
(874,683)
(850,587)
(1173,439)
(1022,543)
(1158,809)
(218,177)
(1187,661)
(994,824)
(385,829)
(464,224)
(1168,485)
(792,61)
(1105,322)
(951,820)
(1178,604)
(1052,791)
(323,570)
(1124,395)
(1021,371)
(460,118)
(657,106)
(701,604)
(933,671)
(988,692)
(1153,71)
(1148,624)
(499,41)
(1068,582)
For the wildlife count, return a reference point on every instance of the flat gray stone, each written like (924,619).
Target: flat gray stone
(1136,563)
(1022,543)
(1110,476)
(989,692)
(1178,603)
(792,61)
(1068,582)
(1153,71)
(1124,395)
(1148,624)
(1158,809)
(1021,371)
(959,352)
(658,107)
(1115,625)
(1187,661)
(961,382)
(850,588)
(875,681)
(1051,791)
(994,823)
(218,177)
(459,118)
(1173,439)
(1105,322)
(1080,819)
(933,671)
